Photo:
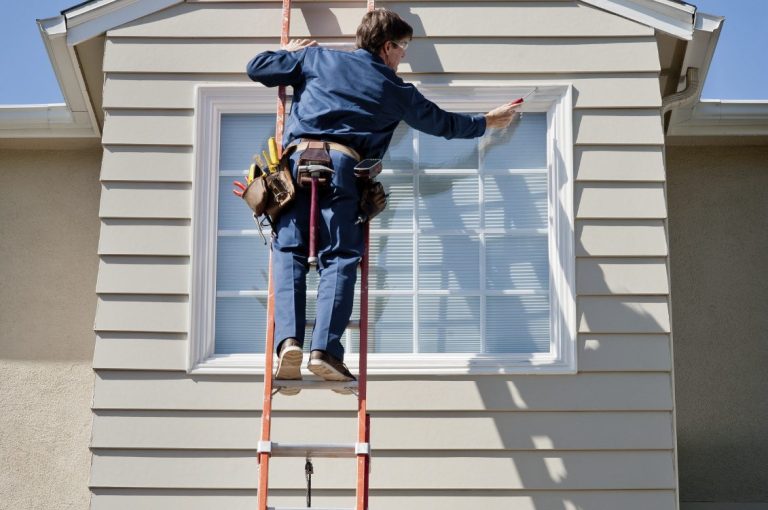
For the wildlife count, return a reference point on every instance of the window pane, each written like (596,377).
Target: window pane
(523,145)
(517,262)
(391,262)
(436,152)
(242,136)
(449,262)
(449,202)
(515,201)
(517,324)
(240,324)
(390,325)
(449,324)
(242,263)
(399,211)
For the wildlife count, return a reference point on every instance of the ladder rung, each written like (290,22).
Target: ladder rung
(314,384)
(313,450)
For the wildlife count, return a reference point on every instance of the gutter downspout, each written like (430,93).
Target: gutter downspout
(690,94)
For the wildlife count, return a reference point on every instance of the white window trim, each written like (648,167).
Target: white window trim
(554,99)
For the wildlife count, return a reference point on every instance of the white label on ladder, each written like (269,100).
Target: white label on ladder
(265,447)
(362,448)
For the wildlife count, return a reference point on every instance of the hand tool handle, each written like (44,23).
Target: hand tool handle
(313,212)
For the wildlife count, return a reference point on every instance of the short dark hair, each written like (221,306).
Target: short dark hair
(378,27)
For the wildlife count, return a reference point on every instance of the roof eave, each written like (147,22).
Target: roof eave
(88,20)
(674,18)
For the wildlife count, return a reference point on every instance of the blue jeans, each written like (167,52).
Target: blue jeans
(339,250)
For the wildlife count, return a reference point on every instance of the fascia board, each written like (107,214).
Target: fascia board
(43,121)
(95,18)
(53,32)
(669,17)
(714,117)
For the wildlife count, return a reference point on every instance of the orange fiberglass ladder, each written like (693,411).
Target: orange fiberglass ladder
(268,449)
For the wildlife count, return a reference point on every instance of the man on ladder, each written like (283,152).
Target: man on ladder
(351,102)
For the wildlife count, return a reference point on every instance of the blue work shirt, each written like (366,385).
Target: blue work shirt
(354,98)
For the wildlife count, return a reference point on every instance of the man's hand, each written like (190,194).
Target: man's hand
(299,44)
(502,116)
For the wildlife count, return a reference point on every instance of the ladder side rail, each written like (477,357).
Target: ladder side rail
(363,419)
(269,347)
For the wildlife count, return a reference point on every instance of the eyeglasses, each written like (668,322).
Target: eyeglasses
(403,45)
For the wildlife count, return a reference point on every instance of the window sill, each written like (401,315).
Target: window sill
(407,364)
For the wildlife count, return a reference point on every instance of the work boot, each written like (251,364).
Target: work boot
(289,365)
(331,369)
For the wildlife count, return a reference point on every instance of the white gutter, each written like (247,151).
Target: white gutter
(714,117)
(43,121)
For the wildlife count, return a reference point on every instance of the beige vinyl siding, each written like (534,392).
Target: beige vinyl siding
(582,392)
(621,238)
(165,314)
(140,351)
(600,90)
(528,431)
(158,200)
(616,163)
(331,19)
(601,439)
(146,164)
(151,127)
(143,275)
(620,200)
(180,499)
(596,352)
(237,469)
(438,55)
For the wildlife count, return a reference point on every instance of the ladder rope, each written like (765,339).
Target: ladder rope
(308,472)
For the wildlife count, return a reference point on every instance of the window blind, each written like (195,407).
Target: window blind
(459,259)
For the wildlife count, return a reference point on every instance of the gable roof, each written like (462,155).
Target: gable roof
(90,19)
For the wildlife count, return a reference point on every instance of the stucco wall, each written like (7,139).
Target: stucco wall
(718,218)
(48,235)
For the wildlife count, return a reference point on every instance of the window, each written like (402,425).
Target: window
(472,263)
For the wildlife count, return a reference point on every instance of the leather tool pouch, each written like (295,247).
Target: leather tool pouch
(256,195)
(373,200)
(281,189)
(316,153)
(269,194)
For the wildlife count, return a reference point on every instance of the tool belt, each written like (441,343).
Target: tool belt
(373,199)
(302,144)
(270,193)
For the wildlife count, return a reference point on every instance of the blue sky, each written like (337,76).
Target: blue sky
(739,69)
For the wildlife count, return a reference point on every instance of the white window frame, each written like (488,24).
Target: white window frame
(213,101)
